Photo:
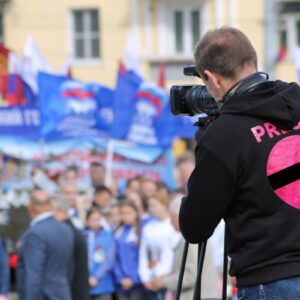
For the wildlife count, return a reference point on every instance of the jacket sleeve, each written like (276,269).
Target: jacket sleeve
(119,275)
(211,188)
(4,270)
(164,266)
(34,258)
(143,268)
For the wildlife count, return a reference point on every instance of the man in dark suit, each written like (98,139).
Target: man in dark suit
(80,282)
(45,254)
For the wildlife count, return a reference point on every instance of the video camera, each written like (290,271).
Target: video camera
(192,99)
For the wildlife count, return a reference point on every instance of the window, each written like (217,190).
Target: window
(85,34)
(288,35)
(185,29)
(1,28)
(298,32)
(178,31)
(180,26)
(195,27)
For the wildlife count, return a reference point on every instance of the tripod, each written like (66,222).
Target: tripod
(201,255)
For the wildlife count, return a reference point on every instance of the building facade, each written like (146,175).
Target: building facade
(95,33)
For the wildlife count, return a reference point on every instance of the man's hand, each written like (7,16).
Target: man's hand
(126,283)
(2,297)
(93,281)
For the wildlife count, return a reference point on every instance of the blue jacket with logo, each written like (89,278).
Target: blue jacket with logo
(127,256)
(101,258)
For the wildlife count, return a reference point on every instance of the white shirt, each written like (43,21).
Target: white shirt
(158,242)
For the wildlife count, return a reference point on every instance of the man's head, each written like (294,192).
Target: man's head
(60,208)
(97,174)
(223,56)
(148,187)
(39,203)
(70,192)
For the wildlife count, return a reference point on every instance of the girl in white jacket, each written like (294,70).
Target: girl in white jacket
(158,241)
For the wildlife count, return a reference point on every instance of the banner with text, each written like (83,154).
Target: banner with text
(20,121)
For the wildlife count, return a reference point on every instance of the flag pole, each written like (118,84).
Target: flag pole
(109,162)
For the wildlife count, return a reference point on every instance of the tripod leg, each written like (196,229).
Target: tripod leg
(180,279)
(225,266)
(197,290)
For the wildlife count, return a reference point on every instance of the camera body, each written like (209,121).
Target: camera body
(192,99)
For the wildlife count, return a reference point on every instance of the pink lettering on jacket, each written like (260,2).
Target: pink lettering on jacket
(269,130)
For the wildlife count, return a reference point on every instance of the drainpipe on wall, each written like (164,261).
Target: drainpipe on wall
(270,37)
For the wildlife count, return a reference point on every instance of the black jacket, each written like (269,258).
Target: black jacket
(80,284)
(248,172)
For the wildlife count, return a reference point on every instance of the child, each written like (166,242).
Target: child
(114,217)
(101,257)
(126,269)
(158,241)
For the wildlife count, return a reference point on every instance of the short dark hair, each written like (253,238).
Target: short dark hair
(225,51)
(71,168)
(93,210)
(101,189)
(39,197)
(130,180)
(97,164)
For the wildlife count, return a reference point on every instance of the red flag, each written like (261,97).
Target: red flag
(122,68)
(282,53)
(3,70)
(162,76)
(15,91)
(69,73)
(15,87)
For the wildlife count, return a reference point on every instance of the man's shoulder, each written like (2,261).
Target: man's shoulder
(225,129)
(50,225)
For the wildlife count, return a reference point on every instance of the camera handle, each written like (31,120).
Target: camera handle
(201,255)
(204,121)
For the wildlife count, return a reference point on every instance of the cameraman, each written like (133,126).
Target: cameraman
(247,169)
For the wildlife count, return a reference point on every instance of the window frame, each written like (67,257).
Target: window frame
(288,22)
(86,35)
(2,26)
(187,10)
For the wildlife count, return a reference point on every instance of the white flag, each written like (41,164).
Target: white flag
(34,62)
(131,56)
(297,61)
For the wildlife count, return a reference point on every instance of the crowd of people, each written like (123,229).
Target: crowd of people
(98,244)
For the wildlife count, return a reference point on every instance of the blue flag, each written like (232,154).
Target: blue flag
(70,108)
(20,121)
(152,123)
(128,83)
(141,112)
(186,127)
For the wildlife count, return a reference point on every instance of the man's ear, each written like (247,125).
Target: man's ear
(213,78)
(30,209)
